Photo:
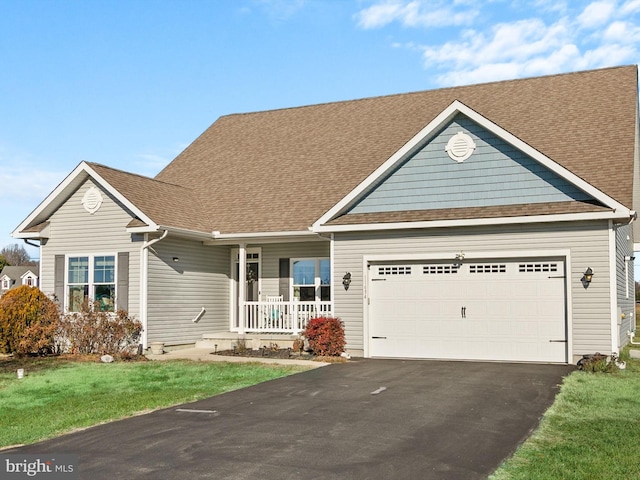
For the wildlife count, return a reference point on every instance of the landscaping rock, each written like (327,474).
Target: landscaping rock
(106,359)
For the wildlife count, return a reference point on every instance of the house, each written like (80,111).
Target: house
(13,277)
(483,222)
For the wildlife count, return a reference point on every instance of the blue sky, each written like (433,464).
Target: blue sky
(131,83)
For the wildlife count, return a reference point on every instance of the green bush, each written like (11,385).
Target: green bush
(325,335)
(91,331)
(28,321)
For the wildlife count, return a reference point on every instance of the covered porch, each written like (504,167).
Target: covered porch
(277,286)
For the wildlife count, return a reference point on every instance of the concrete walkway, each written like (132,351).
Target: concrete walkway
(206,355)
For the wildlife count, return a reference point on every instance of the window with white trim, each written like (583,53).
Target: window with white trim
(6,283)
(29,280)
(311,279)
(91,278)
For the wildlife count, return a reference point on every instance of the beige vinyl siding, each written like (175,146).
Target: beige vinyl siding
(625,284)
(74,231)
(272,253)
(177,291)
(588,243)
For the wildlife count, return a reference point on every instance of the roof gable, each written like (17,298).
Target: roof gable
(150,202)
(572,184)
(493,173)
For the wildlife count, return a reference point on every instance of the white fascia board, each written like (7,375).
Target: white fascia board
(27,236)
(471,222)
(433,126)
(218,238)
(83,169)
(183,232)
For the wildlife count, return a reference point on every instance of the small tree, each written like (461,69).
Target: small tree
(325,335)
(28,321)
(16,255)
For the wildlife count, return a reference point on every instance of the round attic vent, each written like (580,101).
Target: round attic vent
(460,147)
(92,200)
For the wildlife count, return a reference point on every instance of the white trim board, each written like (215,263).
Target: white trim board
(470,222)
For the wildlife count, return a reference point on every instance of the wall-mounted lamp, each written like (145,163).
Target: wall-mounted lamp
(460,256)
(346,280)
(588,275)
(176,259)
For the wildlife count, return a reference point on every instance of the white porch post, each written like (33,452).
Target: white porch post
(242,282)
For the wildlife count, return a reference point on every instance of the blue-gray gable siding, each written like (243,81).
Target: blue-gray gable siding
(495,174)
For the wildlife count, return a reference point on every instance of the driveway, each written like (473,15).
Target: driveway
(368,419)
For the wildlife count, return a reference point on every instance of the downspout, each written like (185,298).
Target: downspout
(613,290)
(144,279)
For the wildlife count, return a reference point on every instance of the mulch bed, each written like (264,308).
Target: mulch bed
(267,352)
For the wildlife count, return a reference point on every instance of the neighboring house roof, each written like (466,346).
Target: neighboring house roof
(284,170)
(16,274)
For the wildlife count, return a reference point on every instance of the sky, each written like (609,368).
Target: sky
(130,84)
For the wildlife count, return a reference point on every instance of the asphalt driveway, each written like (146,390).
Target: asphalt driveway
(368,419)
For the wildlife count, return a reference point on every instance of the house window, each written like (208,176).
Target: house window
(91,278)
(5,284)
(311,279)
(29,281)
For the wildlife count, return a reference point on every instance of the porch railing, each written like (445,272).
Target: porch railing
(282,317)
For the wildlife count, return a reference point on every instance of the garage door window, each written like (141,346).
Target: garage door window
(537,267)
(488,268)
(311,279)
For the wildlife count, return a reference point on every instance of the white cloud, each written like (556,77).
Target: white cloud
(630,7)
(23,176)
(551,37)
(596,14)
(416,13)
(622,32)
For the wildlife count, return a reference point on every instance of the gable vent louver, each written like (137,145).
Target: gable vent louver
(460,147)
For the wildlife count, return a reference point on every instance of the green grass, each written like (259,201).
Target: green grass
(591,431)
(59,395)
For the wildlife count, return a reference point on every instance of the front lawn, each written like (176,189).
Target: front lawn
(591,431)
(59,395)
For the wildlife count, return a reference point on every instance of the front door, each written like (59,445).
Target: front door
(252,283)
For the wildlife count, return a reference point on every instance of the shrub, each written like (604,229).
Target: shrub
(596,362)
(325,336)
(28,321)
(91,331)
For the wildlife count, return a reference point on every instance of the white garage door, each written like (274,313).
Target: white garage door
(488,310)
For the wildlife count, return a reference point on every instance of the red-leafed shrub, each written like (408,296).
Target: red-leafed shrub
(28,321)
(325,336)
